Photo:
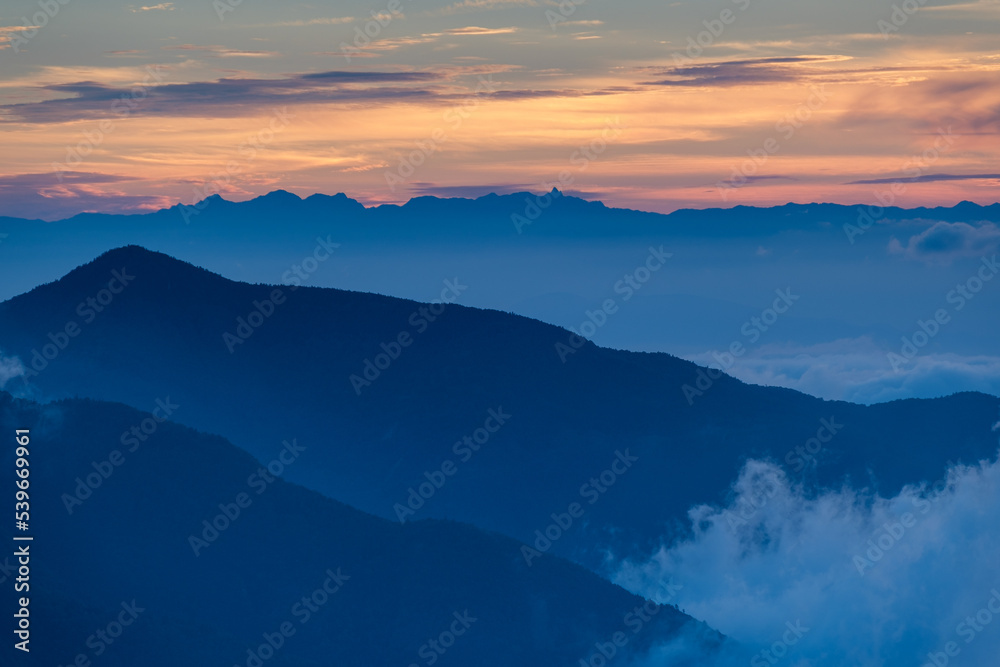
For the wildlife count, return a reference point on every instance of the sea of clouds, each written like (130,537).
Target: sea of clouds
(840,576)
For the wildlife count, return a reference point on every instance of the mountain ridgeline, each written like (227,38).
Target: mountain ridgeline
(216,232)
(186,550)
(430,411)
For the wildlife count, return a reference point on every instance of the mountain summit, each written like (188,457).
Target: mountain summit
(417,410)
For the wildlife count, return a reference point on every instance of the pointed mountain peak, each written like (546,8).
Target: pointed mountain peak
(133,255)
(212,199)
(123,265)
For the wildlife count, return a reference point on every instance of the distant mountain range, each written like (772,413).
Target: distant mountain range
(553,257)
(491,217)
(412,412)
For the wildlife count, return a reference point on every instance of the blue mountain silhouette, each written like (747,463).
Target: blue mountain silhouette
(374,445)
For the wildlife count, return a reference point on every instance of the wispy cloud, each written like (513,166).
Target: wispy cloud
(6,33)
(49,197)
(983,7)
(10,368)
(51,180)
(162,7)
(467,191)
(320,21)
(229,97)
(484,5)
(340,54)
(792,69)
(476,30)
(222,51)
(856,370)
(946,241)
(929,178)
(392,44)
(361,168)
(240,97)
(738,72)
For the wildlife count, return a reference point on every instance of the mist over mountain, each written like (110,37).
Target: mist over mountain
(865,276)
(415,411)
(866,579)
(186,546)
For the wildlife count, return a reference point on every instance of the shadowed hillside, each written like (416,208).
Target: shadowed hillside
(374,445)
(376,593)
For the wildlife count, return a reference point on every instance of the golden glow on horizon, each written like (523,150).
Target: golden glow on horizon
(829,119)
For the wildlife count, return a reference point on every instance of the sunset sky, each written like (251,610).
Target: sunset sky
(837,100)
